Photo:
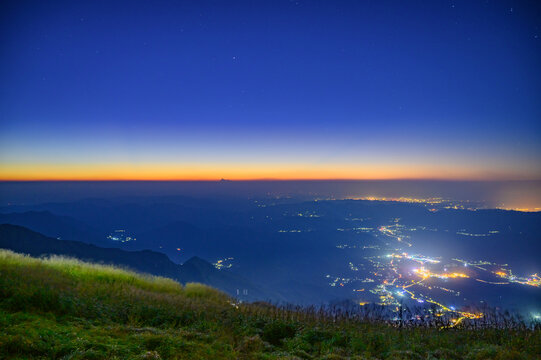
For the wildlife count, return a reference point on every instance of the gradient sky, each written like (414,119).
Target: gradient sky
(270,89)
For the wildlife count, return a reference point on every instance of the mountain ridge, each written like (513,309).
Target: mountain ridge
(20,239)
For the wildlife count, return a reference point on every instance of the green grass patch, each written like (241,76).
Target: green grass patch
(60,308)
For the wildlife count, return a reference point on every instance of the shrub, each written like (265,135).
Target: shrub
(277,331)
(315,336)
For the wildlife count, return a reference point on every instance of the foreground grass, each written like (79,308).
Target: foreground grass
(65,309)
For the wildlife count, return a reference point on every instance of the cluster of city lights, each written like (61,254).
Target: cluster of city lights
(430,201)
(394,279)
(418,258)
(121,236)
(425,274)
(224,263)
(532,280)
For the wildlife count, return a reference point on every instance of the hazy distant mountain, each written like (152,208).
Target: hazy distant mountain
(56,226)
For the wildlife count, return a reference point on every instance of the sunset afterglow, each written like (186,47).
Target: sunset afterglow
(235,171)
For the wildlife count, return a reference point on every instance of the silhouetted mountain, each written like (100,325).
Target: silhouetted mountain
(23,240)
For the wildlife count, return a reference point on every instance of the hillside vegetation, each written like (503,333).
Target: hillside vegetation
(60,308)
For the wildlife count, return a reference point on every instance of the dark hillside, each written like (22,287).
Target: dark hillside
(20,239)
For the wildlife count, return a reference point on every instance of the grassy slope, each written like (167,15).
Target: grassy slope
(65,309)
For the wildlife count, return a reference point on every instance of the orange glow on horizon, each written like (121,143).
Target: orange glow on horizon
(236,171)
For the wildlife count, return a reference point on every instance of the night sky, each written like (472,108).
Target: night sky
(270,89)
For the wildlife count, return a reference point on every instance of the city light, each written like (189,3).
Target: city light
(425,274)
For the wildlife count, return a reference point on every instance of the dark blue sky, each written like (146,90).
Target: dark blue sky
(397,88)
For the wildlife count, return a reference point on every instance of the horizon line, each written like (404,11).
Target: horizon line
(225,180)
